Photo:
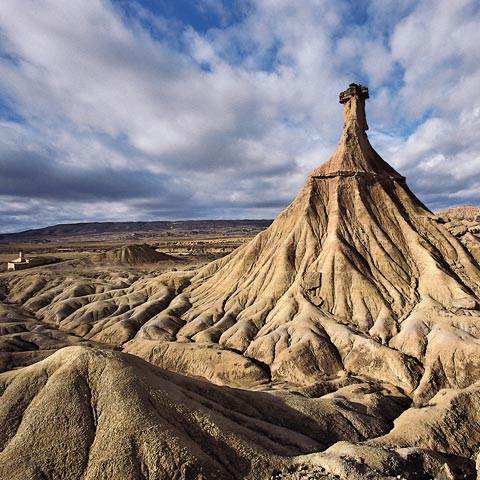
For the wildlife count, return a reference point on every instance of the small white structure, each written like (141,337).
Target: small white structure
(19,263)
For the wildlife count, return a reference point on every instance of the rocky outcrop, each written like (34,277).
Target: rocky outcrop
(464,224)
(466,213)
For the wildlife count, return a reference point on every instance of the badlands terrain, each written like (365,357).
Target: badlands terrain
(341,341)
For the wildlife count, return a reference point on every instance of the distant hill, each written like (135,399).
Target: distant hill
(464,223)
(128,255)
(467,212)
(168,228)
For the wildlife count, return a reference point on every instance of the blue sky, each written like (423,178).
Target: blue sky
(114,110)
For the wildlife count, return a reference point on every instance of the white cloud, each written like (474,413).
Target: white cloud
(437,47)
(227,113)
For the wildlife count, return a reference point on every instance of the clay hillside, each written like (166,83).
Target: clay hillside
(341,342)
(464,223)
(467,213)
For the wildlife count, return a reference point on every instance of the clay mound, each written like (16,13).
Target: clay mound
(120,417)
(109,415)
(131,255)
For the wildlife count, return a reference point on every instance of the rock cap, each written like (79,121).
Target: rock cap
(354,90)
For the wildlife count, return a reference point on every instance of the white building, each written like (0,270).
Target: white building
(19,263)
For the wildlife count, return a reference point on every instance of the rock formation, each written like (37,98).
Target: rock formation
(355,276)
(356,296)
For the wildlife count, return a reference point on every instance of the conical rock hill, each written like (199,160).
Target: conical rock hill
(356,278)
(356,274)
(128,255)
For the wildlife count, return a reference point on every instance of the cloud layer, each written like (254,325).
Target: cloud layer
(125,110)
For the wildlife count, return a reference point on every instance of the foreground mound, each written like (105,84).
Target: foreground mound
(93,414)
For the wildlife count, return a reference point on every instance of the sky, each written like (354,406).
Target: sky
(124,110)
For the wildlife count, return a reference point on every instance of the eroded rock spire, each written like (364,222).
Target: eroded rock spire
(354,154)
(353,99)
